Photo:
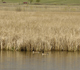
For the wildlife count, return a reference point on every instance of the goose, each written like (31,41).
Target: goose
(44,53)
(36,52)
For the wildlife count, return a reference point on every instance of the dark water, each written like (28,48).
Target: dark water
(10,60)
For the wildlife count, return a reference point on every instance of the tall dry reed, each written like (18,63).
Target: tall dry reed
(39,31)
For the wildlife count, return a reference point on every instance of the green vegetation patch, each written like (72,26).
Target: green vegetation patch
(47,1)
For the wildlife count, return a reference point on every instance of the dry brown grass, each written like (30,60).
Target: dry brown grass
(40,31)
(43,8)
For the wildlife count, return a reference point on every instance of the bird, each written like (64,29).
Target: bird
(44,53)
(35,52)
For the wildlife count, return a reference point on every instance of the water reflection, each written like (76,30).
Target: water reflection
(10,60)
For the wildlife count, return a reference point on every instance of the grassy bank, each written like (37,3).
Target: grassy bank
(46,1)
(39,31)
(39,8)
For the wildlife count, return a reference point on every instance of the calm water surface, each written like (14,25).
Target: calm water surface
(10,60)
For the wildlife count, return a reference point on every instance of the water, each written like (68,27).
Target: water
(10,60)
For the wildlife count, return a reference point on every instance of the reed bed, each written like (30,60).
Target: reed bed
(40,31)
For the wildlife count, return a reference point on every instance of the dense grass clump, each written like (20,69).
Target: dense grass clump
(39,31)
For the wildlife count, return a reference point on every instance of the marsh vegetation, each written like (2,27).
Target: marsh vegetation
(30,27)
(39,31)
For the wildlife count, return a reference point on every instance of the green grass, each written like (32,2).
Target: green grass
(48,1)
